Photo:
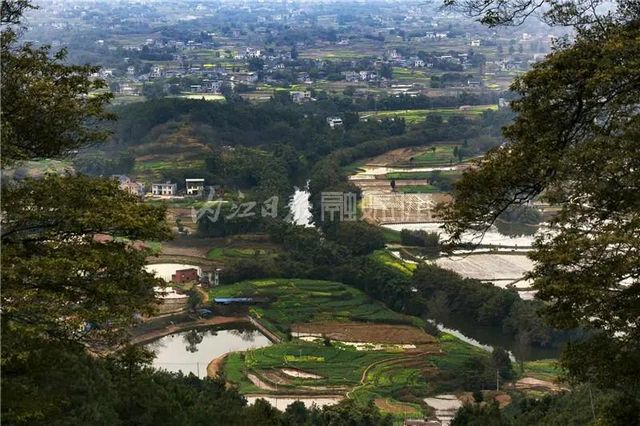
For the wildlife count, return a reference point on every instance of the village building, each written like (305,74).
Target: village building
(334,122)
(299,97)
(129,185)
(166,189)
(182,276)
(194,186)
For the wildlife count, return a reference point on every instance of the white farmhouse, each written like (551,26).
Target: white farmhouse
(194,186)
(334,122)
(167,189)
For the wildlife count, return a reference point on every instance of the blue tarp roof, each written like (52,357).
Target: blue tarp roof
(227,300)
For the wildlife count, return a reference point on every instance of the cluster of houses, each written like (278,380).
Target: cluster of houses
(194,187)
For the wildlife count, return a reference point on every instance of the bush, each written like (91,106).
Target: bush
(429,241)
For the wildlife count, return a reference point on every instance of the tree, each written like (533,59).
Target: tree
(46,110)
(386,71)
(195,299)
(359,237)
(479,415)
(579,13)
(71,278)
(574,144)
(502,363)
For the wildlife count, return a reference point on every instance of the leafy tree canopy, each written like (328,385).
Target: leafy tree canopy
(574,144)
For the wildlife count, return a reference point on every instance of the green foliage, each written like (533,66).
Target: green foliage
(56,384)
(502,363)
(390,235)
(574,143)
(479,415)
(46,108)
(521,214)
(99,165)
(584,405)
(359,237)
(486,304)
(430,241)
(53,254)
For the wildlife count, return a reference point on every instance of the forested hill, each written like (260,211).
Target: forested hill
(170,138)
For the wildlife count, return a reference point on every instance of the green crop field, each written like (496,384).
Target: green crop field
(415,116)
(409,75)
(395,377)
(298,301)
(337,365)
(441,155)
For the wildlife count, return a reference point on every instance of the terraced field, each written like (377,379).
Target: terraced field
(396,381)
(340,343)
(298,301)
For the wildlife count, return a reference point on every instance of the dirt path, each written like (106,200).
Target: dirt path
(215,366)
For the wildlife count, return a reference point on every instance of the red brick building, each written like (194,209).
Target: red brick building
(185,276)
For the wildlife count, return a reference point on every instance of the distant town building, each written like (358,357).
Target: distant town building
(185,276)
(167,188)
(156,72)
(475,43)
(299,97)
(194,186)
(131,186)
(334,122)
(351,76)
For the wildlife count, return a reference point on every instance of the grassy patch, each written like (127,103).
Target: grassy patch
(544,369)
(390,235)
(388,259)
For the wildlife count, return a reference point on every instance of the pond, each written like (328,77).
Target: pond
(191,351)
(487,337)
(165,270)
